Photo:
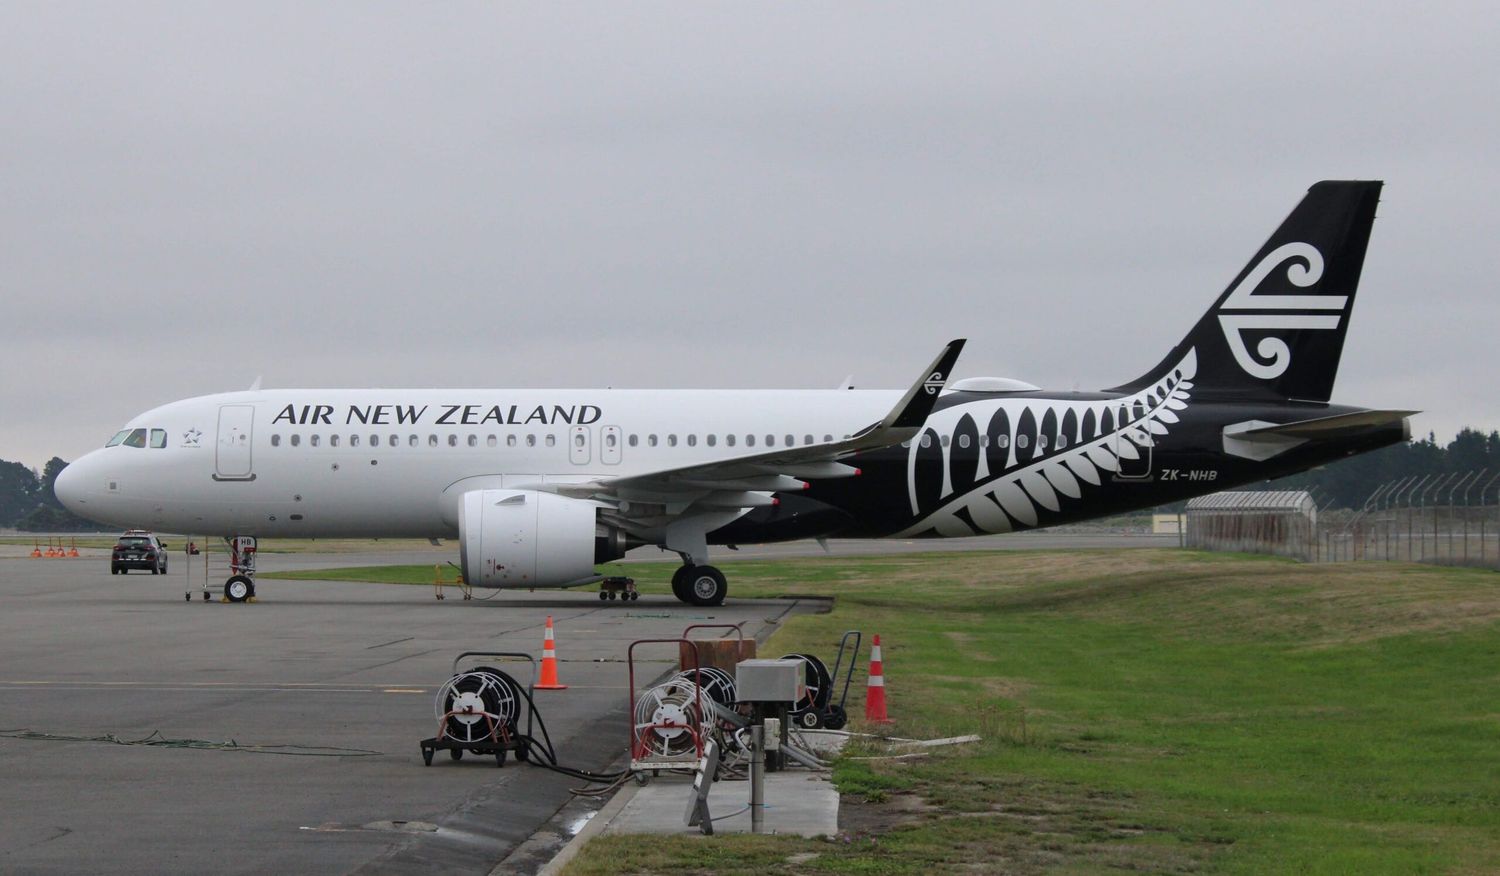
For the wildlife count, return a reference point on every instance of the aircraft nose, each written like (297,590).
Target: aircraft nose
(69,486)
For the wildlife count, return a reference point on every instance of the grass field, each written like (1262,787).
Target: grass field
(1157,711)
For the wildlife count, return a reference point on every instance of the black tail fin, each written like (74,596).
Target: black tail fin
(1278,330)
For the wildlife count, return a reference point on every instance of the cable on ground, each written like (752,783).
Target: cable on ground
(156,740)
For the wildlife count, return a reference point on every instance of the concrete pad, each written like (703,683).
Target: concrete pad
(797,802)
(319,694)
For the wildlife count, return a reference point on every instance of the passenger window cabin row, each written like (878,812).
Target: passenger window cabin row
(1023,441)
(295,439)
(157,438)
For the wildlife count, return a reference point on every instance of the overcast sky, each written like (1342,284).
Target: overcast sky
(715,195)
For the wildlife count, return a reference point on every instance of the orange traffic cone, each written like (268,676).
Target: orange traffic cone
(74,551)
(36,549)
(549,661)
(875,692)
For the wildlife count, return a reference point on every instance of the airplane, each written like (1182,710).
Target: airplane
(541,486)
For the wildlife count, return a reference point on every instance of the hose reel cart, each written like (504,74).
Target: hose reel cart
(671,720)
(817,708)
(479,711)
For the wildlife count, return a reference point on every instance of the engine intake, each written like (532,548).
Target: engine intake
(526,538)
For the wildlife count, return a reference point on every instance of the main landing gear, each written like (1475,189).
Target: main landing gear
(699,585)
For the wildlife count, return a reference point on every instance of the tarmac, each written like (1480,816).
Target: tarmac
(284,734)
(140,733)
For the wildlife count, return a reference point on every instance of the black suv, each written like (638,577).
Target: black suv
(138,549)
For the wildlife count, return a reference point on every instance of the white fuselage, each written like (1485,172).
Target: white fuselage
(392,463)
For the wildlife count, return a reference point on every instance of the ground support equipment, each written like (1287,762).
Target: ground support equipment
(479,711)
(618,587)
(240,586)
(671,720)
(836,715)
(438,583)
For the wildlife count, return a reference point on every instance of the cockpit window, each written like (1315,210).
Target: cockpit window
(158,438)
(119,436)
(137,438)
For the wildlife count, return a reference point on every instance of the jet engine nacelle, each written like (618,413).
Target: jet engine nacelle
(525,538)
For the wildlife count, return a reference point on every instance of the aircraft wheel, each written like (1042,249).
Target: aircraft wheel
(680,584)
(238,589)
(706,586)
(603,595)
(114,570)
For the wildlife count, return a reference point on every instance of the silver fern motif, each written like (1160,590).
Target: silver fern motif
(1033,454)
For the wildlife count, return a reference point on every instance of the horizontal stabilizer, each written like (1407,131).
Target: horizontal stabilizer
(1260,440)
(1331,427)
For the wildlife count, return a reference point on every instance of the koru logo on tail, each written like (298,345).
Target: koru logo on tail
(1272,355)
(933,383)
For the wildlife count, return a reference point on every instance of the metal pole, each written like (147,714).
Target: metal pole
(757,777)
(1452,508)
(1482,473)
(1410,518)
(1422,506)
(1438,492)
(1482,516)
(1386,505)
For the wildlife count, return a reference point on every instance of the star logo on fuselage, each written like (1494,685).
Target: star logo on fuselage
(191,437)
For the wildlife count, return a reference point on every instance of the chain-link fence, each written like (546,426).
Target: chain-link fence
(1450,519)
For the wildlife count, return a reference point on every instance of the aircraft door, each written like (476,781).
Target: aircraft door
(578,445)
(609,450)
(232,456)
(1134,447)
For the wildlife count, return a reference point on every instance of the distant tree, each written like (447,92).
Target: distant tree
(1350,483)
(45,518)
(47,495)
(28,502)
(18,492)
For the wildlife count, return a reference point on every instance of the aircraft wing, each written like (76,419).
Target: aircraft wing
(748,481)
